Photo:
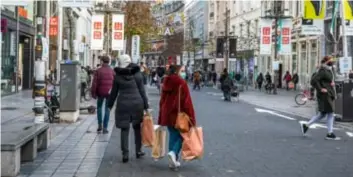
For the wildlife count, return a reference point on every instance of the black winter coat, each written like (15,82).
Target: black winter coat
(323,79)
(129,94)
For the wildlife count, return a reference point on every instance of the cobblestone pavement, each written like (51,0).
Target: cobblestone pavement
(242,142)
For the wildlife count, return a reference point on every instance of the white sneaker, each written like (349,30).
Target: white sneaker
(172,160)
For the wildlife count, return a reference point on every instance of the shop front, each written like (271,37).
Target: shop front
(17,37)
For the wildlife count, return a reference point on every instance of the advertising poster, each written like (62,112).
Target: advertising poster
(266,36)
(97,35)
(348,16)
(285,43)
(118,32)
(313,17)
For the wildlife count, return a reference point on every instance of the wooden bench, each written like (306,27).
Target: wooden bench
(20,142)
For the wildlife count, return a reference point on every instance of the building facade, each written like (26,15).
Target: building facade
(17,51)
(244,26)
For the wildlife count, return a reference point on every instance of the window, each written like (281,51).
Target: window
(211,15)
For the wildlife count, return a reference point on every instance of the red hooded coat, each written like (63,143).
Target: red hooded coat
(168,105)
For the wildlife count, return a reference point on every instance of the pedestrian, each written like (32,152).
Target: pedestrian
(295,80)
(174,88)
(214,78)
(323,82)
(131,101)
(144,71)
(197,80)
(260,80)
(287,78)
(226,85)
(101,86)
(84,81)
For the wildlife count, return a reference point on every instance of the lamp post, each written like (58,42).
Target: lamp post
(277,14)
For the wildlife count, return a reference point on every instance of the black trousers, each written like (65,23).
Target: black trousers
(83,89)
(124,139)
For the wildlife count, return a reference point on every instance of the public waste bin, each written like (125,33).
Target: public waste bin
(344,101)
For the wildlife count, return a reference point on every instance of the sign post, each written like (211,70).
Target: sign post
(135,48)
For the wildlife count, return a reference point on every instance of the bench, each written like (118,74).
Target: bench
(20,142)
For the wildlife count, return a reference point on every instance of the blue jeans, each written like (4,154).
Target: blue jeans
(100,106)
(175,141)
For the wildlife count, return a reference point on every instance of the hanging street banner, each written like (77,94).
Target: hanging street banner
(313,17)
(97,32)
(53,26)
(266,36)
(347,10)
(284,42)
(135,48)
(118,32)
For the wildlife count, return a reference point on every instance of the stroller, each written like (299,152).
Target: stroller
(269,87)
(235,93)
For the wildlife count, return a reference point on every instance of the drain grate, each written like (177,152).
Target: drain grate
(8,108)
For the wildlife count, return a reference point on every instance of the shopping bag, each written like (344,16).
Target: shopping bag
(291,85)
(192,147)
(158,148)
(182,120)
(147,132)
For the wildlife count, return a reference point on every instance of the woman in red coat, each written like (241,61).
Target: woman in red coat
(173,85)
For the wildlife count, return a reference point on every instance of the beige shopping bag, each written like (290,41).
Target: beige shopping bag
(158,148)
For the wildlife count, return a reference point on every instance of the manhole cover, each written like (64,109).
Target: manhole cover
(8,108)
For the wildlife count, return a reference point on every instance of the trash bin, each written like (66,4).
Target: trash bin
(344,101)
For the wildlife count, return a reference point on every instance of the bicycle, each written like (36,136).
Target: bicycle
(301,98)
(52,103)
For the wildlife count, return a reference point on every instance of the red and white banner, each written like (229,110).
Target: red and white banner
(118,32)
(266,36)
(285,45)
(97,33)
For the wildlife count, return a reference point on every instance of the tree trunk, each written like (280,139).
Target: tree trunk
(128,45)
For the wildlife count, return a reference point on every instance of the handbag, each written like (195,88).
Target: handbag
(147,132)
(182,120)
(193,146)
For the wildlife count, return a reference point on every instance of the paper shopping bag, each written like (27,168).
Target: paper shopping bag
(147,132)
(192,147)
(158,148)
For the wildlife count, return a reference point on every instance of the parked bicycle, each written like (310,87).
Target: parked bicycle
(52,103)
(304,97)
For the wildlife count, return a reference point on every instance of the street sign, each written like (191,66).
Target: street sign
(135,48)
(345,64)
(45,49)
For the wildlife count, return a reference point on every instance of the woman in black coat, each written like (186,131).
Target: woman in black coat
(131,101)
(323,82)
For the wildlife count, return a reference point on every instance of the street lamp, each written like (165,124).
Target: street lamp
(277,14)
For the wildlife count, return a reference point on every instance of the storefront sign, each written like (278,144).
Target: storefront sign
(285,44)
(22,12)
(266,36)
(348,17)
(135,48)
(53,29)
(3,25)
(97,32)
(313,17)
(118,32)
(13,44)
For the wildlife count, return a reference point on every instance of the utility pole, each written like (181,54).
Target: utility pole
(39,89)
(226,37)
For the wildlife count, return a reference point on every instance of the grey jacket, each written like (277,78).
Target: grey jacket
(129,94)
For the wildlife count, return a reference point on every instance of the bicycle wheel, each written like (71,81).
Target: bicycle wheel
(300,99)
(88,95)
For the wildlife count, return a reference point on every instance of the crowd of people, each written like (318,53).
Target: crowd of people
(124,87)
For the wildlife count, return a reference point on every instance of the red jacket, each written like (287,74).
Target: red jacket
(169,102)
(102,81)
